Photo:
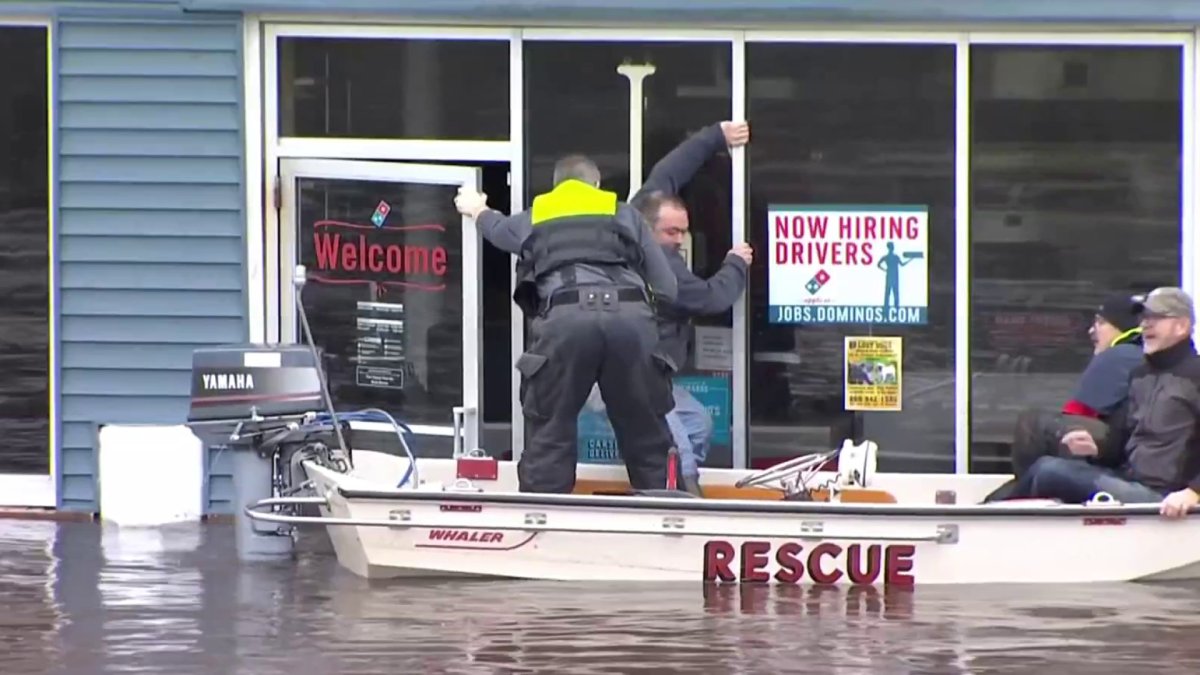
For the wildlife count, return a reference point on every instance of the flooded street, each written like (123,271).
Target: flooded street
(82,598)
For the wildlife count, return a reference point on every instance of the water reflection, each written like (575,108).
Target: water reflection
(82,598)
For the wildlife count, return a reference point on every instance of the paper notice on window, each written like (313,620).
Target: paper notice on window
(380,357)
(714,348)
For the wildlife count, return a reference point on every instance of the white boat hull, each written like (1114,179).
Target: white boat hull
(491,530)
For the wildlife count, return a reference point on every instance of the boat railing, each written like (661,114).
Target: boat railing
(671,525)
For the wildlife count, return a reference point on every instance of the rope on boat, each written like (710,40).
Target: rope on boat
(365,415)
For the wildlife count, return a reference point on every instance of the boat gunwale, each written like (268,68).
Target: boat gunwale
(751,506)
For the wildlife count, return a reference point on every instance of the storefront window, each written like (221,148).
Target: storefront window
(578,102)
(1075,195)
(860,138)
(373,88)
(383,299)
(24,258)
(418,89)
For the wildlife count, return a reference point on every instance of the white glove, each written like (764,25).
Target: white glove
(469,202)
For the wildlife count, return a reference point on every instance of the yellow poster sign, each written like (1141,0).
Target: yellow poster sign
(873,374)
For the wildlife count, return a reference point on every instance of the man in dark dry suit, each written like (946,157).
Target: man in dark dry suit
(665,211)
(589,273)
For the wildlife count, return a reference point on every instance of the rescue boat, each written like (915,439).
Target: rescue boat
(398,515)
(790,524)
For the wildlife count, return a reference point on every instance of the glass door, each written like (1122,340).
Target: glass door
(392,293)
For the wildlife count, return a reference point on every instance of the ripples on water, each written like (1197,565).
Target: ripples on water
(82,598)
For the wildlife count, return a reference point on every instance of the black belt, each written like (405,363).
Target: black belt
(572,296)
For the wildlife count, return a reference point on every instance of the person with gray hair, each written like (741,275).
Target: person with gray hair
(589,273)
(577,167)
(1161,435)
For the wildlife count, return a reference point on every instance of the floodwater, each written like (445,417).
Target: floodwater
(91,599)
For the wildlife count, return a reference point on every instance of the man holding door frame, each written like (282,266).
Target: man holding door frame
(666,214)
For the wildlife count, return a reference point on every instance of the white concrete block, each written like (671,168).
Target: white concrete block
(150,475)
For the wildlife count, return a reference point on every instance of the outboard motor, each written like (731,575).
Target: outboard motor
(254,401)
(261,403)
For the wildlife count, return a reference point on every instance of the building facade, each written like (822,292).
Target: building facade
(173,161)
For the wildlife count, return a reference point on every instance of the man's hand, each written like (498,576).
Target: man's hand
(1176,504)
(736,133)
(469,202)
(1080,443)
(743,251)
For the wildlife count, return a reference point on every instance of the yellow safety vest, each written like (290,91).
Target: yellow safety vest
(572,198)
(575,223)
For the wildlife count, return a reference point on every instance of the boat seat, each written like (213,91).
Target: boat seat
(848,495)
(673,494)
(620,487)
(857,496)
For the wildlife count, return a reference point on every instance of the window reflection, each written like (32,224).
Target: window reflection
(576,101)
(24,258)
(880,131)
(1075,195)
(373,88)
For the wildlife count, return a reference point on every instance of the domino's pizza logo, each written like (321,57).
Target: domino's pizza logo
(379,217)
(817,282)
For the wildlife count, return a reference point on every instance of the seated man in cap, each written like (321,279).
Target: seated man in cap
(1098,402)
(1160,437)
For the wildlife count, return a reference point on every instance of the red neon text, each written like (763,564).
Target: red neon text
(358,255)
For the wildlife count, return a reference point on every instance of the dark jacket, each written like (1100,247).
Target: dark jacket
(1104,385)
(1163,444)
(696,296)
(508,233)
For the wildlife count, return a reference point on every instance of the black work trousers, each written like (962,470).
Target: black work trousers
(594,340)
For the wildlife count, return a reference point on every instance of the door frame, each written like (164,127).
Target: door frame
(265,148)
(293,169)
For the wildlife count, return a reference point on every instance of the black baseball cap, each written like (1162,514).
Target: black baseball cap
(1121,311)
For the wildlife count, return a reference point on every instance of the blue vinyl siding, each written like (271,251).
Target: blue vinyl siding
(151,247)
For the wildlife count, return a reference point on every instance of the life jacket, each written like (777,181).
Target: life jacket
(573,224)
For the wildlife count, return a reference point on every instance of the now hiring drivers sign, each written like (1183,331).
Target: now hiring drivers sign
(848,264)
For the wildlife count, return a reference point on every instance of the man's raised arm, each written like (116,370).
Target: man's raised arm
(506,233)
(680,165)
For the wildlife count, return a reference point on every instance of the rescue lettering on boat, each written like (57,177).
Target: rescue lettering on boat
(467,536)
(825,563)
(228,381)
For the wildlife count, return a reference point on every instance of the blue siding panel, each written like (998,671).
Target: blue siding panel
(151,330)
(165,196)
(181,116)
(141,64)
(151,224)
(148,275)
(95,88)
(135,249)
(164,169)
(129,355)
(113,302)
